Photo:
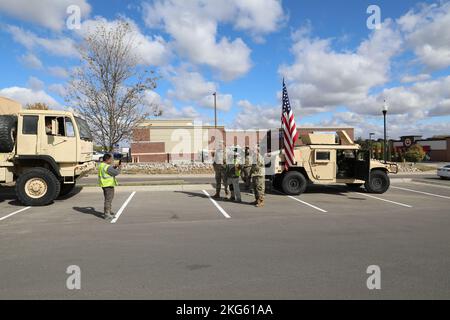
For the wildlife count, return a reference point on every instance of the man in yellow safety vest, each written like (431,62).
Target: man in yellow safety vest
(107,173)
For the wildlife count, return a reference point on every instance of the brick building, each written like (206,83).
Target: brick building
(437,149)
(187,140)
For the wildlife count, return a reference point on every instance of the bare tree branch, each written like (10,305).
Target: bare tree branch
(108,88)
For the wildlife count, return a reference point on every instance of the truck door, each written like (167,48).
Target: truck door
(362,165)
(323,164)
(62,144)
(27,136)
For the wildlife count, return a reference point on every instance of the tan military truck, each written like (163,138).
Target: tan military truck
(328,159)
(43,152)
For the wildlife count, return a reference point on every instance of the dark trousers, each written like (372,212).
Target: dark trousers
(108,194)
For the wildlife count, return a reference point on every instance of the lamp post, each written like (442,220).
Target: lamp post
(385,110)
(215,109)
(370,143)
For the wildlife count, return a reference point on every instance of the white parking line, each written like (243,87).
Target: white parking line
(308,204)
(123,207)
(226,215)
(422,192)
(301,201)
(15,212)
(385,200)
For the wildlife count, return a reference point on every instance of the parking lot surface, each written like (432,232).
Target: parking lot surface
(184,245)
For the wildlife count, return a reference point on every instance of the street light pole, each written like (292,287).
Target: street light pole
(215,109)
(385,110)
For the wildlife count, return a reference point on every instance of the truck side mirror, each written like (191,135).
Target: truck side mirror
(54,127)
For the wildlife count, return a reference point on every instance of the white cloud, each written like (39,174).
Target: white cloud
(441,109)
(414,101)
(321,77)
(29,96)
(169,110)
(251,116)
(224,101)
(61,46)
(427,33)
(149,50)
(415,78)
(31,61)
(59,72)
(192,87)
(194,27)
(58,89)
(47,13)
(35,84)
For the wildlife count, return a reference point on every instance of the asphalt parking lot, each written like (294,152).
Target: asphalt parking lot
(182,245)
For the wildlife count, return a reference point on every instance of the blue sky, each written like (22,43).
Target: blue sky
(338,71)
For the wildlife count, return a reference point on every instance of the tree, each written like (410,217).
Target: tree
(37,106)
(415,153)
(109,86)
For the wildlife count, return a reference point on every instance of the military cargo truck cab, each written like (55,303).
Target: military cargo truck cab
(43,152)
(330,159)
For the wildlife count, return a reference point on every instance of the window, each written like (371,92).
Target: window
(323,156)
(85,132)
(30,124)
(70,131)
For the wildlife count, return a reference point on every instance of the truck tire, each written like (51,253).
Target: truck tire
(379,182)
(66,189)
(294,183)
(276,183)
(37,187)
(8,127)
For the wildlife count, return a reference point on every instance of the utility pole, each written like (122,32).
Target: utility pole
(215,109)
(385,110)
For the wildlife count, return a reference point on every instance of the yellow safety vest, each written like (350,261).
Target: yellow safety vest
(104,178)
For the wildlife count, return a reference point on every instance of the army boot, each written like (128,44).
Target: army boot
(260,203)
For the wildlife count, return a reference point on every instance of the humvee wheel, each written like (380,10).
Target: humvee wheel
(379,182)
(354,186)
(66,189)
(37,187)
(293,183)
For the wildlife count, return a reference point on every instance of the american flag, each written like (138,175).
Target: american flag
(290,133)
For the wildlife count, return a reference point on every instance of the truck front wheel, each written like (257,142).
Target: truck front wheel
(379,182)
(294,183)
(37,187)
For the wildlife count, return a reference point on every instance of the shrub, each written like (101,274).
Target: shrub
(415,153)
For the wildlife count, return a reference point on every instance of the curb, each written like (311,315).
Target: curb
(182,187)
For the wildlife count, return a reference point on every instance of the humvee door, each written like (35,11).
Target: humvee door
(362,165)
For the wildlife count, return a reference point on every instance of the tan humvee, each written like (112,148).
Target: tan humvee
(330,159)
(43,152)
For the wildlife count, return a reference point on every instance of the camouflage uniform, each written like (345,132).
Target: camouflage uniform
(219,170)
(233,173)
(258,173)
(246,171)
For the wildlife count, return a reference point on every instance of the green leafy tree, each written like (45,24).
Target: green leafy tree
(415,153)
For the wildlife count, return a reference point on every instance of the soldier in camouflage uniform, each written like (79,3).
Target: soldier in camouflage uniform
(233,173)
(219,166)
(246,170)
(258,173)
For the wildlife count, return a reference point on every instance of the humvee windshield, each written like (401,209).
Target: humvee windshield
(85,132)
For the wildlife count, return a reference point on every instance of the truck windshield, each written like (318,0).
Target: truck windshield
(85,132)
